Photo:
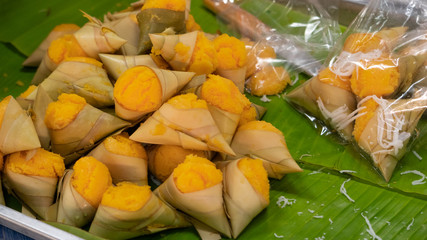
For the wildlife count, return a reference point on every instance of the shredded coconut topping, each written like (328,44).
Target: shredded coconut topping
(370,230)
(265,98)
(340,118)
(417,155)
(330,220)
(305,155)
(278,236)
(390,134)
(310,210)
(347,171)
(282,201)
(318,216)
(344,191)
(295,80)
(419,181)
(410,224)
(346,62)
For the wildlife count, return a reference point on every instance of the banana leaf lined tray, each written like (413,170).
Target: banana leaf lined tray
(307,205)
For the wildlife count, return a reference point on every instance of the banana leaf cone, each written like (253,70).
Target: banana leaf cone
(331,104)
(236,75)
(259,139)
(44,70)
(37,55)
(387,133)
(95,38)
(206,205)
(225,103)
(17,132)
(411,60)
(226,122)
(35,188)
(174,124)
(118,64)
(41,102)
(73,208)
(128,29)
(88,127)
(167,136)
(391,36)
(133,9)
(35,191)
(154,216)
(165,44)
(123,166)
(157,20)
(26,98)
(170,83)
(193,86)
(84,77)
(241,199)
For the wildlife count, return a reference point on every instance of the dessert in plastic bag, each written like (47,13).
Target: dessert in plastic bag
(369,90)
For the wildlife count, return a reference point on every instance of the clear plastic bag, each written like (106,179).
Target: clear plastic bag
(372,88)
(302,34)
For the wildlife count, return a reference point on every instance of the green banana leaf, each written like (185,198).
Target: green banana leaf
(317,207)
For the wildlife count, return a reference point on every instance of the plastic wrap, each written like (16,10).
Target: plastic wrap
(372,88)
(301,33)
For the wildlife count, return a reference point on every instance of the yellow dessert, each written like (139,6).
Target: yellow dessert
(165,158)
(138,89)
(195,174)
(362,42)
(66,27)
(27,92)
(191,24)
(88,60)
(62,112)
(378,77)
(224,94)
(328,77)
(230,51)
(3,106)
(256,174)
(37,162)
(122,145)
(249,114)
(269,80)
(187,101)
(204,59)
(64,47)
(126,196)
(91,179)
(260,125)
(175,5)
(368,108)
(257,54)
